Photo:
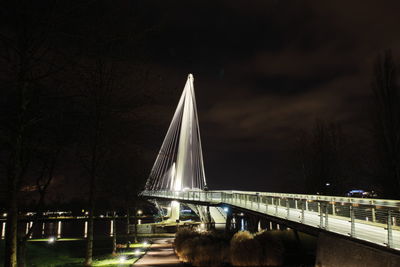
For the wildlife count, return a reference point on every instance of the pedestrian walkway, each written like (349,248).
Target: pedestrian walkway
(160,253)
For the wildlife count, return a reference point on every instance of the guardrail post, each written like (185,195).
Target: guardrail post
(276,206)
(373,214)
(266,204)
(303,203)
(251,202)
(333,209)
(326,216)
(259,198)
(352,221)
(287,208)
(321,216)
(295,204)
(245,200)
(306,204)
(240,200)
(389,230)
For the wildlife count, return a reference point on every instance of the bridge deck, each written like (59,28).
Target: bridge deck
(372,220)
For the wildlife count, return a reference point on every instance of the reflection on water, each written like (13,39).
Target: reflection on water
(69,228)
(85,232)
(3,230)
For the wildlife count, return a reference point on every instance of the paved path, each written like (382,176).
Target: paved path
(160,253)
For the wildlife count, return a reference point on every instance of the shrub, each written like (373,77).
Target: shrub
(202,249)
(182,236)
(245,250)
(211,250)
(272,247)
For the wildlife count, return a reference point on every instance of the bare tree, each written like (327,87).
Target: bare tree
(386,124)
(26,63)
(322,158)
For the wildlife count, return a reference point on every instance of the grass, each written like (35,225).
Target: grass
(70,253)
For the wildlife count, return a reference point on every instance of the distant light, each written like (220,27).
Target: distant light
(137,252)
(327,184)
(226,209)
(145,243)
(241,214)
(122,259)
(86,213)
(140,212)
(202,225)
(4,214)
(52,239)
(101,216)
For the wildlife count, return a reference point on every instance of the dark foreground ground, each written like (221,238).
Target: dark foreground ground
(71,253)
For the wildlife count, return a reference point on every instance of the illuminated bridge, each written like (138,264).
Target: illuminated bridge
(178,176)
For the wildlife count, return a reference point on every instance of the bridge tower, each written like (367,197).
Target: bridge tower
(179,164)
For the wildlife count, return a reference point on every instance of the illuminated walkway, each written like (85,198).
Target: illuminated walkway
(160,253)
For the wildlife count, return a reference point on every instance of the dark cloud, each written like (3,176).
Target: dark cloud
(265,69)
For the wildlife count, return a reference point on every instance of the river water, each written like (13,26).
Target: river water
(71,228)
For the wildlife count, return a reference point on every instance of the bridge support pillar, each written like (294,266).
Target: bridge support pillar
(175,211)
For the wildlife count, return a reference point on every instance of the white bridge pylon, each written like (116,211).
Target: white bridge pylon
(179,163)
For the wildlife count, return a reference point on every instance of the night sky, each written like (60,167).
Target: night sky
(264,70)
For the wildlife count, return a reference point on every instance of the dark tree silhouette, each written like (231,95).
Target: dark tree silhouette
(28,50)
(386,124)
(323,158)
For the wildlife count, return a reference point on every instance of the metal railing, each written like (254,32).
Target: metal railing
(373,220)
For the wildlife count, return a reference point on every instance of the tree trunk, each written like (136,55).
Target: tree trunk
(128,221)
(10,259)
(21,253)
(114,237)
(136,226)
(89,240)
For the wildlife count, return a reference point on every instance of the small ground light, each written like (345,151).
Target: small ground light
(145,243)
(226,209)
(122,259)
(137,252)
(52,239)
